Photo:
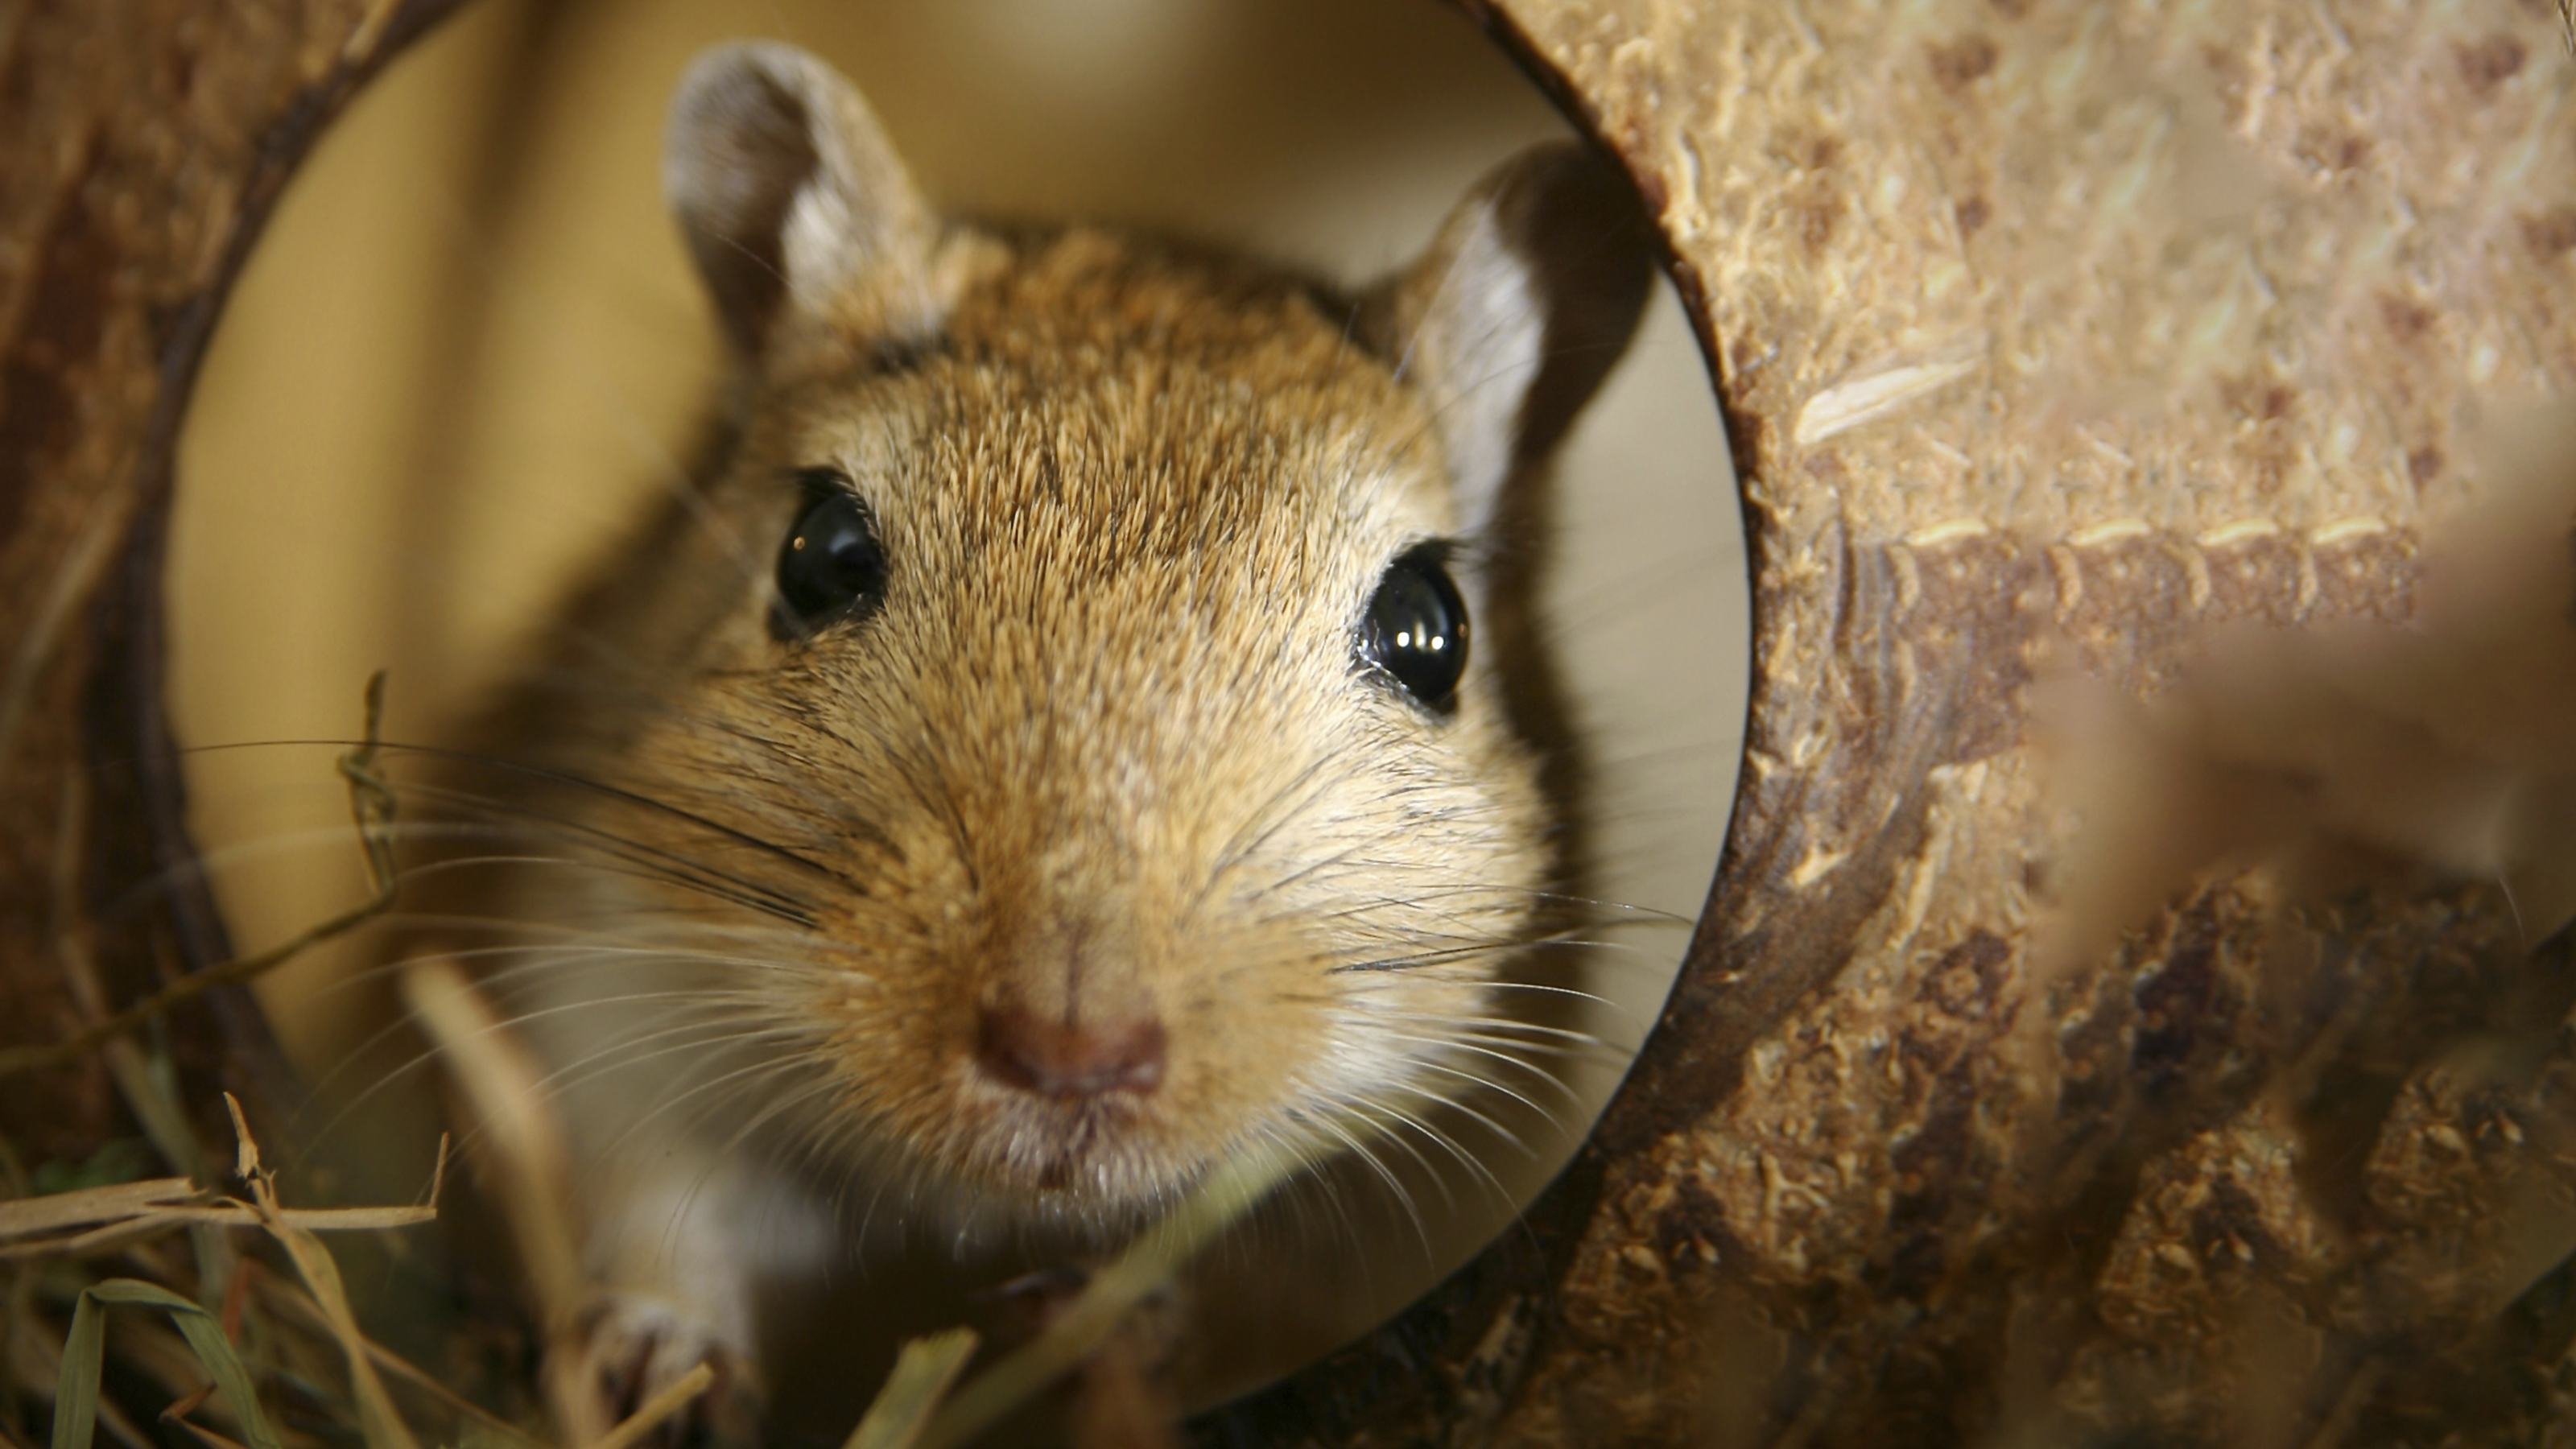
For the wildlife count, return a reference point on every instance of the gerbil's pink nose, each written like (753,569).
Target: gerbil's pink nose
(1056,1058)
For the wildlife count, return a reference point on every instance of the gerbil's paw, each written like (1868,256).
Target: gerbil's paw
(635,1347)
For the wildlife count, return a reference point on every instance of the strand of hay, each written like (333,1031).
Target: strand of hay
(923,1374)
(371,804)
(1145,1269)
(383,1428)
(656,1409)
(66,1227)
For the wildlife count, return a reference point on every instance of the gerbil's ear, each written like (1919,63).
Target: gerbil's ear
(1524,301)
(792,200)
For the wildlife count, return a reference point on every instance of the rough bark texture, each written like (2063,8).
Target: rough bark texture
(141,144)
(2051,333)
(2046,329)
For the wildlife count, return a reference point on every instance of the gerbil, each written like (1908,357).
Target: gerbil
(1055,747)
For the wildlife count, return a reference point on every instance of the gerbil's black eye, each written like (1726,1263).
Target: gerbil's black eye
(1416,629)
(832,567)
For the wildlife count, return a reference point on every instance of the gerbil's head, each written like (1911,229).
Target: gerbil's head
(1075,660)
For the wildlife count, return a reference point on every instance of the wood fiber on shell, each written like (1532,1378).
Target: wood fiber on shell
(141,144)
(2049,335)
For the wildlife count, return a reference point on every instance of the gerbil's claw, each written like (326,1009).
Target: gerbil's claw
(635,1347)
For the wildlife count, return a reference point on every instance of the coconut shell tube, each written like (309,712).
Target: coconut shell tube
(141,147)
(2050,338)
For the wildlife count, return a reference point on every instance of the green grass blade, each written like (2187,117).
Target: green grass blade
(85,1351)
(76,1393)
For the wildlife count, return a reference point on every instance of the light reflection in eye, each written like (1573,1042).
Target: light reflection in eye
(1413,620)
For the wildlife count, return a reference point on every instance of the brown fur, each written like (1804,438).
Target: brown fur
(1104,748)
(1104,754)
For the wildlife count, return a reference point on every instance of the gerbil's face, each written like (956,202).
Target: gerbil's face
(1065,730)
(1130,831)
